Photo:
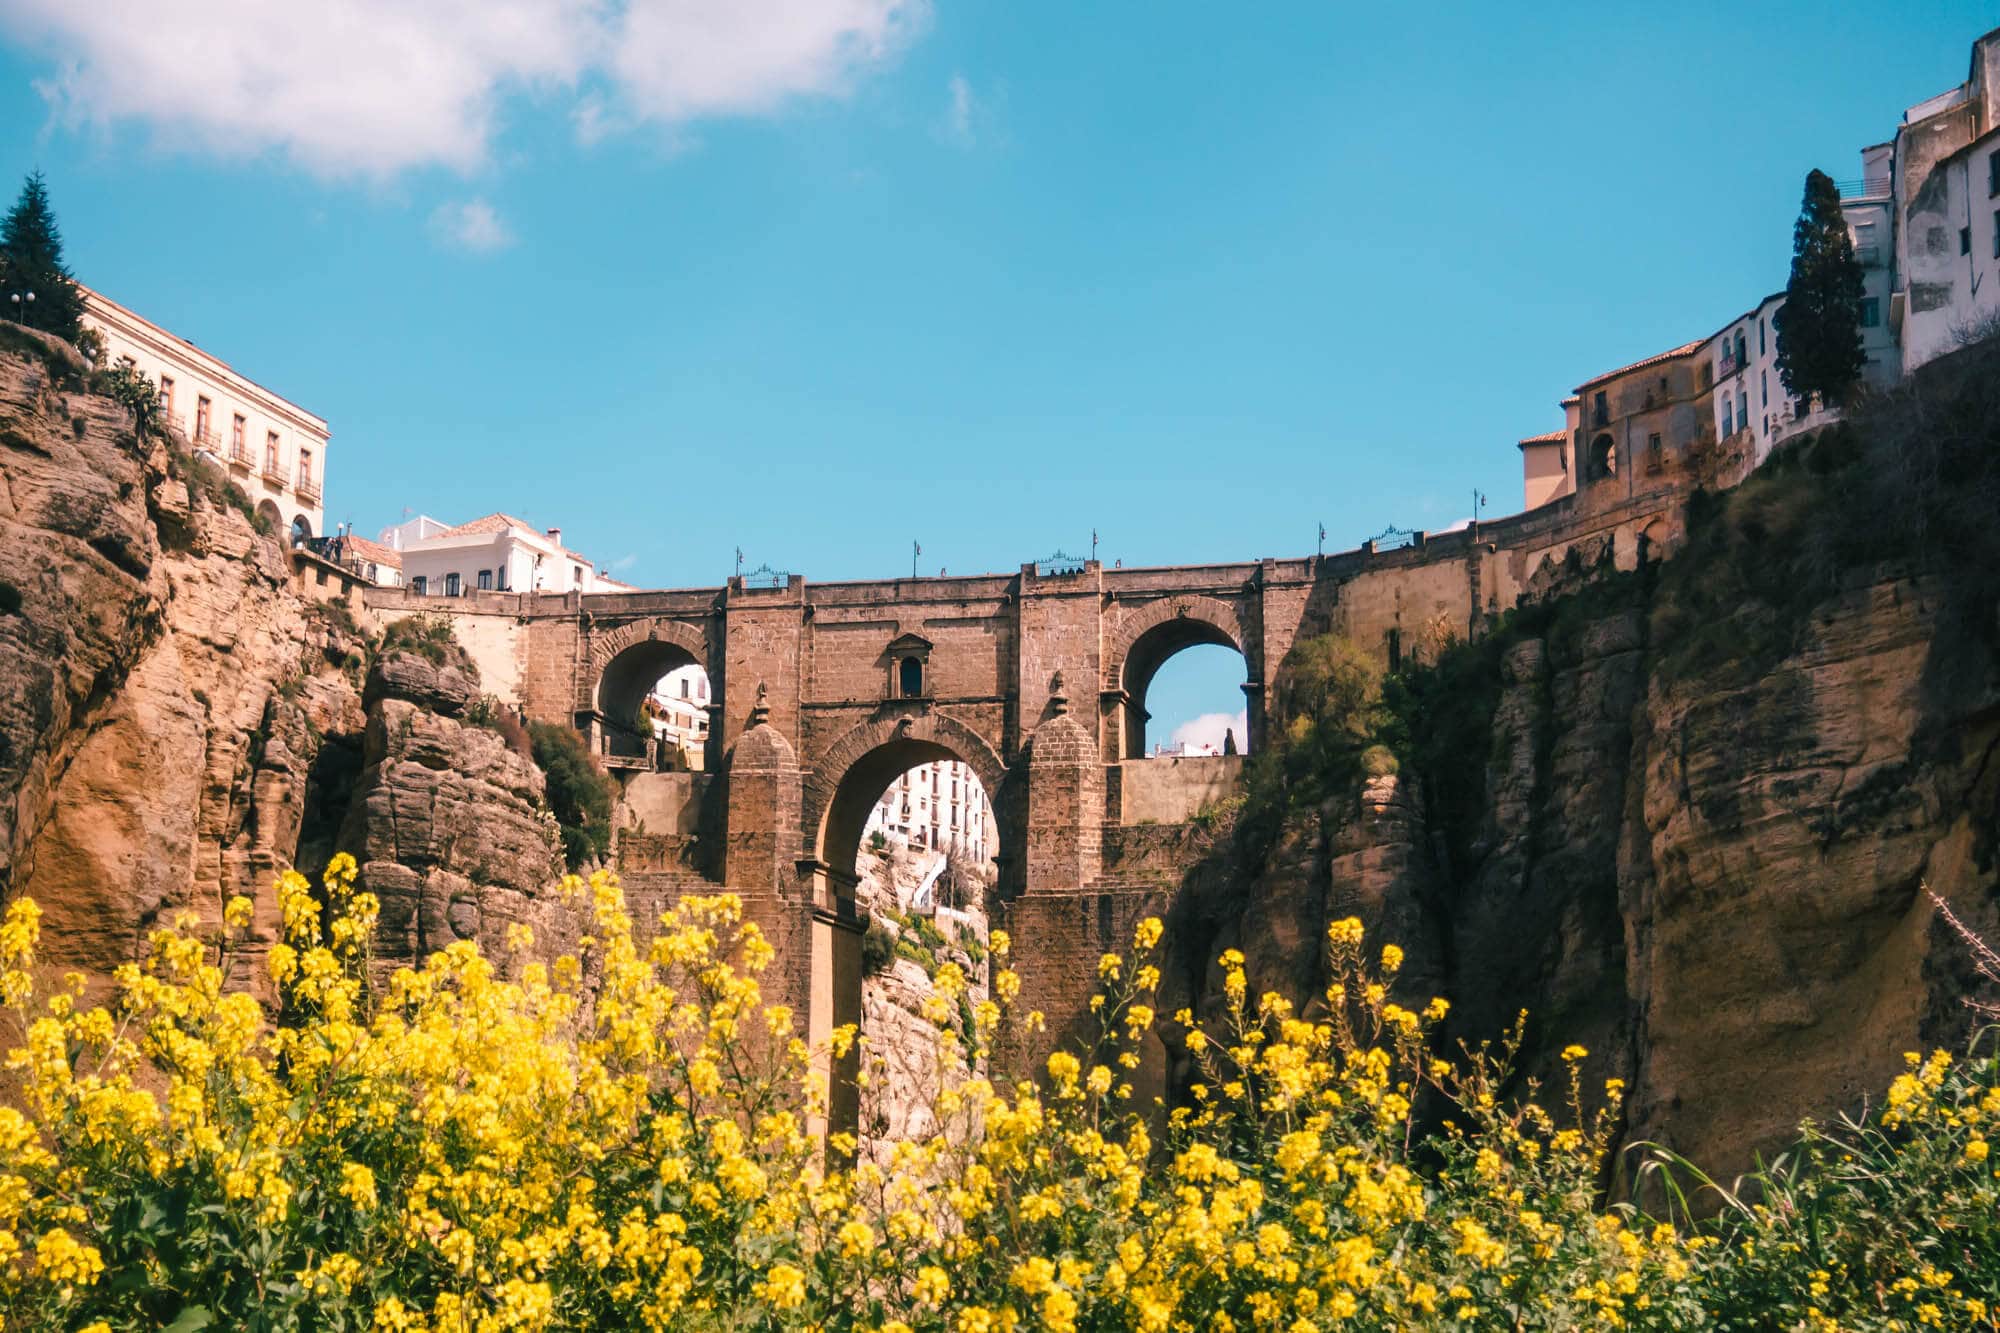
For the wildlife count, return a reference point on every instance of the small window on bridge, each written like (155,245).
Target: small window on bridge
(910,678)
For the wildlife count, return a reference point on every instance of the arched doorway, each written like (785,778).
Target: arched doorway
(272,520)
(1184,690)
(1603,458)
(302,530)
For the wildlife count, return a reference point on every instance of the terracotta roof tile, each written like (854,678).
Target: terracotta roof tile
(1547,437)
(1685,349)
(491,523)
(360,548)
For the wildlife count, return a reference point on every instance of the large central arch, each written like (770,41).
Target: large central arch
(850,778)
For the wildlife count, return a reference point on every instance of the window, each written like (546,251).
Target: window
(1728,415)
(910,678)
(451,585)
(1763,388)
(1996,233)
(1993,173)
(167,394)
(1656,455)
(1871,312)
(486,580)
(271,453)
(420,585)
(201,419)
(1761,326)
(576,577)
(305,469)
(1965,240)
(1601,408)
(236,433)
(1742,356)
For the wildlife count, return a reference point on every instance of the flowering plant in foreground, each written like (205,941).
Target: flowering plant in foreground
(626,1138)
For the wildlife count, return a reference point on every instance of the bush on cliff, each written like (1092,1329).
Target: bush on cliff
(623,1139)
(580,792)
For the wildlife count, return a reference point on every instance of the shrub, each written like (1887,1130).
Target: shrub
(580,792)
(878,946)
(621,1139)
(426,636)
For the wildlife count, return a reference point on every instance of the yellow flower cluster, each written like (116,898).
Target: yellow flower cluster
(628,1136)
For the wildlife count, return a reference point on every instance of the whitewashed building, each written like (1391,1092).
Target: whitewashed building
(271,447)
(680,716)
(938,806)
(496,553)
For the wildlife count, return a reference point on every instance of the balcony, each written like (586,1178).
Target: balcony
(204,437)
(273,474)
(308,493)
(239,457)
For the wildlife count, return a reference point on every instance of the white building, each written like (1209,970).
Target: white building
(938,806)
(274,449)
(497,553)
(680,717)
(1946,160)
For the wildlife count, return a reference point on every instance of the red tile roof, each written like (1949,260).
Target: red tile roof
(491,523)
(1685,349)
(1548,437)
(360,548)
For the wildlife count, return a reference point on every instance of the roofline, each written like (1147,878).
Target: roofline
(1680,353)
(142,329)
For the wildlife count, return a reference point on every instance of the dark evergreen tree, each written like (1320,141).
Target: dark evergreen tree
(1819,326)
(31,261)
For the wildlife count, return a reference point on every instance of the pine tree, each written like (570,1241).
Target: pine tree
(1819,326)
(31,261)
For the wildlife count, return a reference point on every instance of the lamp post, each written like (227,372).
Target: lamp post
(22,304)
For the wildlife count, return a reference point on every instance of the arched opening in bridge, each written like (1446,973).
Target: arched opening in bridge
(652,708)
(1184,690)
(302,530)
(913,835)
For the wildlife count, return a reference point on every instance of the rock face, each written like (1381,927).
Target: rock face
(162,691)
(447,822)
(177,724)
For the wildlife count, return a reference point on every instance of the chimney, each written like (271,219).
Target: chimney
(555,535)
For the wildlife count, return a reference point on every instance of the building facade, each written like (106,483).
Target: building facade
(679,705)
(938,806)
(497,553)
(271,447)
(1924,219)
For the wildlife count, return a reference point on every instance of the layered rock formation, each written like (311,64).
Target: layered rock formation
(447,820)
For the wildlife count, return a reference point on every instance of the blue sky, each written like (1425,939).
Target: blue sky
(819,278)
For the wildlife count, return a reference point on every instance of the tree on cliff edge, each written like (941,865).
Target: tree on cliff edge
(31,261)
(1819,326)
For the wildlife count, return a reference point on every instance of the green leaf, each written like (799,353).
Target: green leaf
(190,1319)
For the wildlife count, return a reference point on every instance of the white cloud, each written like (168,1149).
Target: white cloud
(958,113)
(375,87)
(471,225)
(1209,728)
(624,562)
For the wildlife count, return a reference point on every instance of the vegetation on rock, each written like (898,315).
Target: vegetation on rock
(580,792)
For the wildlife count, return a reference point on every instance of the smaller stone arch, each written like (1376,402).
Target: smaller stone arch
(624,664)
(273,517)
(1150,635)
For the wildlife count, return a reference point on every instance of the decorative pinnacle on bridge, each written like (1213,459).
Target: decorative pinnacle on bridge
(1057,698)
(760,712)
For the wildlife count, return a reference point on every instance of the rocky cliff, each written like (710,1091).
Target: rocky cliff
(1687,817)
(177,723)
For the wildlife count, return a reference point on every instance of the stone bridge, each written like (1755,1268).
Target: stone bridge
(1037,679)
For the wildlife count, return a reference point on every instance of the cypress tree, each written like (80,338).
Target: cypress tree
(31,261)
(1819,326)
